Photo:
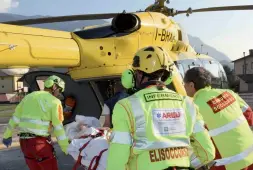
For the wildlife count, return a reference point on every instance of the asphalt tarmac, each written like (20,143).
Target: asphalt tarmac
(12,159)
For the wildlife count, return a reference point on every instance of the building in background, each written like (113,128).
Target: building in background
(8,83)
(243,68)
(9,86)
(12,90)
(244,71)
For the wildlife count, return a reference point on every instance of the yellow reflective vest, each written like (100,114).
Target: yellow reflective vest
(38,113)
(154,129)
(222,111)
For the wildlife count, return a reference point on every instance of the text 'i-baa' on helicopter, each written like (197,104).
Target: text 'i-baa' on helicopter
(96,56)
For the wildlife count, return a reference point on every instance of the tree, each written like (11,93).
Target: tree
(232,83)
(227,70)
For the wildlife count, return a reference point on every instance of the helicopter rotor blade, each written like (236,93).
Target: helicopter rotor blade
(212,9)
(61,19)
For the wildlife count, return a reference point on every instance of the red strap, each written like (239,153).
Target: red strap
(78,162)
(84,136)
(97,158)
(100,133)
(249,116)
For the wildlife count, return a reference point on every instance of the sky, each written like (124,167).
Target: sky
(229,32)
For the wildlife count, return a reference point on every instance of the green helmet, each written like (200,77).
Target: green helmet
(50,81)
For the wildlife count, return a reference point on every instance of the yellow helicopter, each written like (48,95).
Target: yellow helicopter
(96,56)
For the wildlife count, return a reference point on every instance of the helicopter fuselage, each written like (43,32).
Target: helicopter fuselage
(96,52)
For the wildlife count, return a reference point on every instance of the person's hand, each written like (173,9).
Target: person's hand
(81,126)
(7,142)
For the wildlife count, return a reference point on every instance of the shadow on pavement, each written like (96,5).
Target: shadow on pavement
(12,159)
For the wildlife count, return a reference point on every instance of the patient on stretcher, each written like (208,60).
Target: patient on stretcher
(89,144)
(83,125)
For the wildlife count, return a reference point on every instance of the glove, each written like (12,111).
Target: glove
(7,142)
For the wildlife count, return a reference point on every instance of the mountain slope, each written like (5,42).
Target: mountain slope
(196,43)
(221,57)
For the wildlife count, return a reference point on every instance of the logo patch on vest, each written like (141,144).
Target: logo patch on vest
(221,102)
(169,121)
(168,154)
(161,96)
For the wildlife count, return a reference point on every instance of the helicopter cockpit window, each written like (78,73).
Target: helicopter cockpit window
(213,67)
(190,63)
(180,69)
(223,76)
(222,73)
(192,66)
(186,64)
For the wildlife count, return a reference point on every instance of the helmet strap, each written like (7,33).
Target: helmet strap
(53,88)
(53,91)
(142,77)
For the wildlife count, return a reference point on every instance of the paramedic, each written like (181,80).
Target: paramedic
(35,116)
(155,127)
(226,116)
(120,93)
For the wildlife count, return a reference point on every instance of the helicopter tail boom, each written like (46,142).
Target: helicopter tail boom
(34,47)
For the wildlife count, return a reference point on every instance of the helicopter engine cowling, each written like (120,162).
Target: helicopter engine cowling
(126,23)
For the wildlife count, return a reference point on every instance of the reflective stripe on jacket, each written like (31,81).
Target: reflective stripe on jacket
(38,113)
(222,111)
(154,129)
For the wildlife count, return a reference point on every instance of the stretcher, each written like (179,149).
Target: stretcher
(88,143)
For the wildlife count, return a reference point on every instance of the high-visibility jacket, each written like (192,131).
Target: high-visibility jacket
(222,111)
(38,113)
(154,129)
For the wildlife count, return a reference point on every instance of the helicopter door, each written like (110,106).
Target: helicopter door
(84,92)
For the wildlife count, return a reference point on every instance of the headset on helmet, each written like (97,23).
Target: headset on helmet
(50,81)
(128,79)
(148,60)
